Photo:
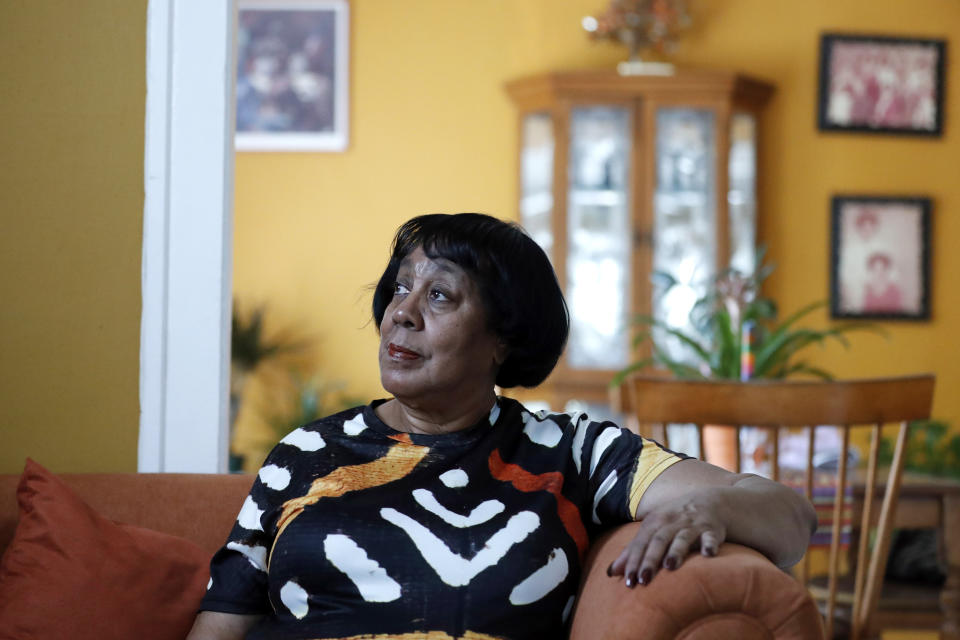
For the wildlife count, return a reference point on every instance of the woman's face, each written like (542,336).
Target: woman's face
(879,271)
(435,346)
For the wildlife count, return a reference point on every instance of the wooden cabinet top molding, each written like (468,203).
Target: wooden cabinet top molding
(544,89)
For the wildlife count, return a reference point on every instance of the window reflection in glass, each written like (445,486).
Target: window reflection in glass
(598,224)
(684,214)
(536,179)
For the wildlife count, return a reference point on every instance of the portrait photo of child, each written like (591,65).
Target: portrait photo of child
(880,257)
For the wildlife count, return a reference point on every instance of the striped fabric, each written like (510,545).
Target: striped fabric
(824,494)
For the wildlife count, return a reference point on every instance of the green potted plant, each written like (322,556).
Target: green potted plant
(249,348)
(932,449)
(736,335)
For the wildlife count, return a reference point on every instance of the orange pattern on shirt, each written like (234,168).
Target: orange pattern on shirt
(397,463)
(523,480)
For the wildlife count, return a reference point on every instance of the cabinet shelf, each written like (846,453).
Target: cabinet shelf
(597,197)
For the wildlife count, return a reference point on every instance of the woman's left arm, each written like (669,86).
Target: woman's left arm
(693,504)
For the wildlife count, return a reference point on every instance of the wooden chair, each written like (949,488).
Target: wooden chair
(772,405)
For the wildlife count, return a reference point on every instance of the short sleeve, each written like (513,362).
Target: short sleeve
(654,459)
(238,571)
(619,466)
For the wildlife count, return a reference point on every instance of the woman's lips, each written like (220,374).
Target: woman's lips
(400,353)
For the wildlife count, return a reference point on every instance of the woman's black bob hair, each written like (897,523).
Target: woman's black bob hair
(524,304)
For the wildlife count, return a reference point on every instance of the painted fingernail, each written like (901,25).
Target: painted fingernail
(709,551)
(630,582)
(670,563)
(610,570)
(645,576)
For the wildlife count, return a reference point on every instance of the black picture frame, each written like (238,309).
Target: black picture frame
(880,257)
(881,84)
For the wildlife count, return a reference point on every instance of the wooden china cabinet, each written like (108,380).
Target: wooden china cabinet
(621,176)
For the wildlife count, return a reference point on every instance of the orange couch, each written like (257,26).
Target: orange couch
(736,595)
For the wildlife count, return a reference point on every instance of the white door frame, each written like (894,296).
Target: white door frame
(187,237)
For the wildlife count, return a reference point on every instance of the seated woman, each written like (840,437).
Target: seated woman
(448,512)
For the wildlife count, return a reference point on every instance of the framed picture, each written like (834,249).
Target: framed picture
(880,258)
(881,84)
(292,75)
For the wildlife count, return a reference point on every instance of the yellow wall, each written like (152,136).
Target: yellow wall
(72,89)
(432,130)
(804,167)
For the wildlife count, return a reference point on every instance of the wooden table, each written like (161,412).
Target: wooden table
(925,502)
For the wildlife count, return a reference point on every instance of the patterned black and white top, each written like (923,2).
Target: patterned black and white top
(355,529)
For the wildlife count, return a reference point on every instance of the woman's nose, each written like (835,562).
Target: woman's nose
(407,314)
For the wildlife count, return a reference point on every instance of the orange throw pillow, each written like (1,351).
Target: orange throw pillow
(70,573)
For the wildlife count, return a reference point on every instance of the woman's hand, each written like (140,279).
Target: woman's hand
(668,534)
(695,505)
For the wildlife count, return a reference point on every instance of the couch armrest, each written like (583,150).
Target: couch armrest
(738,594)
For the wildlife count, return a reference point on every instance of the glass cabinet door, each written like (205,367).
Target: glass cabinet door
(624,176)
(684,206)
(598,237)
(742,196)
(536,179)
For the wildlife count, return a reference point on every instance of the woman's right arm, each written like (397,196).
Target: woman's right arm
(213,625)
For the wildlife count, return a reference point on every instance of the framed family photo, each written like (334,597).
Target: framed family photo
(292,75)
(880,257)
(881,84)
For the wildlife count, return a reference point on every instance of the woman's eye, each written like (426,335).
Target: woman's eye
(439,296)
(400,289)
